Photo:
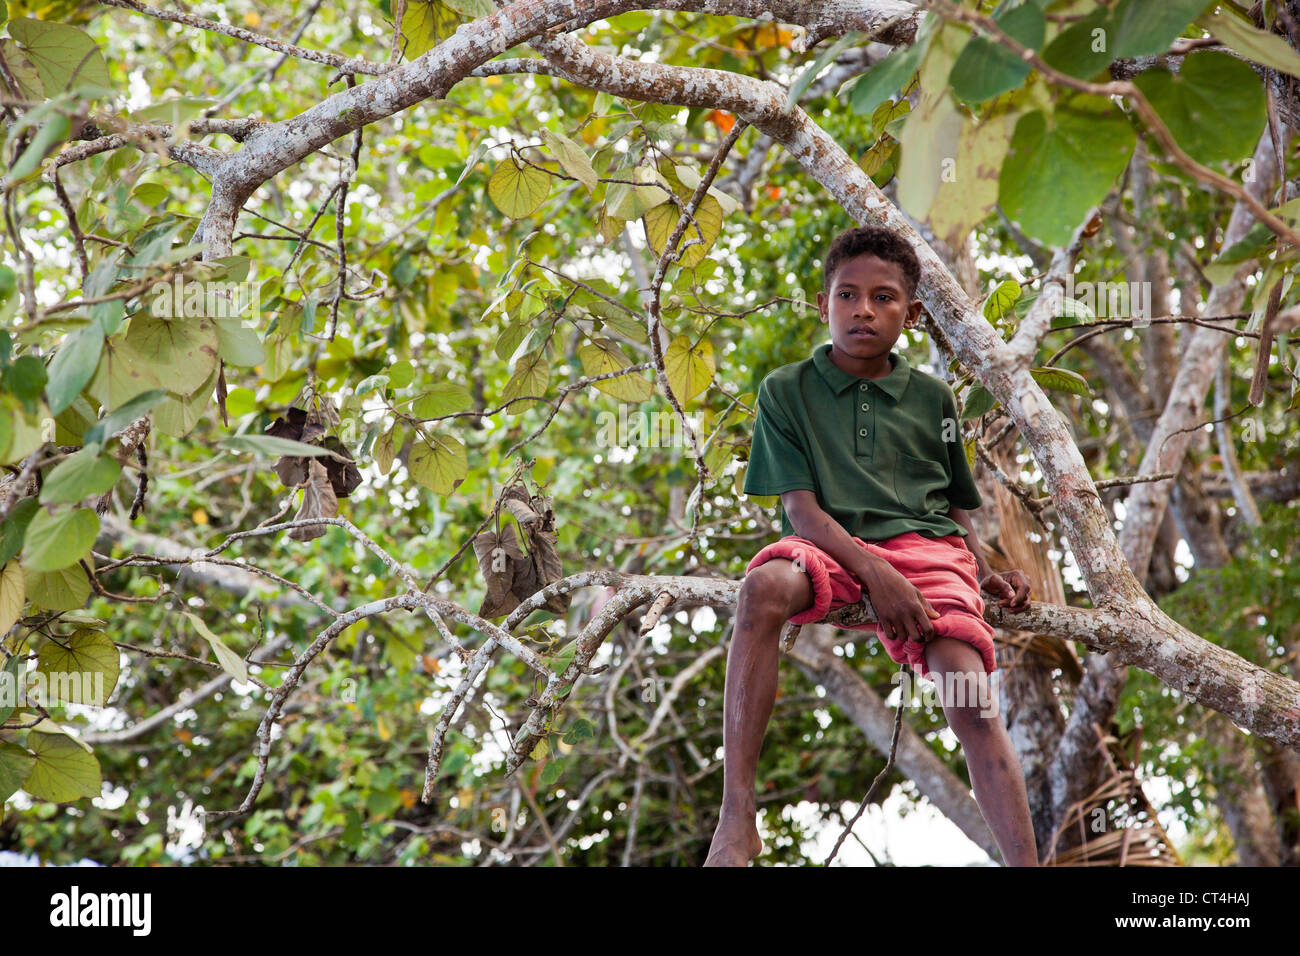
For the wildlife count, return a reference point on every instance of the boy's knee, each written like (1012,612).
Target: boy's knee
(775,588)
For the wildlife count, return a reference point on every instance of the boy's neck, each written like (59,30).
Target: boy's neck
(873,368)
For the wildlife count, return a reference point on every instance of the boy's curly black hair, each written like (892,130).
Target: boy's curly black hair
(877,241)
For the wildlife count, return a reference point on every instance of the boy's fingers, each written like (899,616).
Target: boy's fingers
(929,608)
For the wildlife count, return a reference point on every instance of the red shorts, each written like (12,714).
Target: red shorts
(942,569)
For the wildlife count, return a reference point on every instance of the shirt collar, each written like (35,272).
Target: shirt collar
(892,384)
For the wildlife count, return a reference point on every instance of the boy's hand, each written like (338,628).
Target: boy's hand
(1012,588)
(901,610)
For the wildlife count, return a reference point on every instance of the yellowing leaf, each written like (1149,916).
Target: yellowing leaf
(81,669)
(532,375)
(518,190)
(62,771)
(440,466)
(230,662)
(603,356)
(385,452)
(690,368)
(706,224)
(13,594)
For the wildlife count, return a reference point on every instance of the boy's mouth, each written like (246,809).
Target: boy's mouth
(862,333)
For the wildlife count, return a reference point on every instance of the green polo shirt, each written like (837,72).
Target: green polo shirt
(876,452)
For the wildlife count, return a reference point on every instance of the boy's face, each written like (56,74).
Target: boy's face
(867,307)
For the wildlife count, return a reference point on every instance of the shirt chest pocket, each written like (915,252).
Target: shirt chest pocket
(919,484)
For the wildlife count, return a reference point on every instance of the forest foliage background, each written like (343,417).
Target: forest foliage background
(427,293)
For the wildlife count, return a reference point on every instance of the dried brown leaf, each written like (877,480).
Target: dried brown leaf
(318,501)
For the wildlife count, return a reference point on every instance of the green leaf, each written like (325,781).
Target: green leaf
(440,466)
(81,669)
(581,730)
(73,366)
(442,398)
(149,194)
(13,594)
(603,356)
(15,764)
(986,68)
(175,354)
(690,368)
(552,771)
(978,401)
(230,662)
(63,590)
(25,75)
(177,417)
(886,78)
(573,158)
(271,446)
(518,190)
(563,658)
(59,540)
(401,374)
(1061,380)
(1251,42)
(177,110)
(14,671)
(1002,300)
(119,377)
(823,60)
(14,527)
(62,771)
(237,344)
(1192,104)
(79,476)
(1082,49)
(1143,28)
(54,130)
(64,56)
(123,415)
(509,341)
(26,431)
(25,378)
(1060,166)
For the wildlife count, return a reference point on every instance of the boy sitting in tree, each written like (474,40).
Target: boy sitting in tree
(867,457)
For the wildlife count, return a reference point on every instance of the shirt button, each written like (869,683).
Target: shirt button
(866,406)
(862,432)
(863,387)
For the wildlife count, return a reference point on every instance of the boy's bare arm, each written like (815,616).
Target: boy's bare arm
(900,608)
(1012,587)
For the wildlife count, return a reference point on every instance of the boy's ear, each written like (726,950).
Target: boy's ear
(913,314)
(822,303)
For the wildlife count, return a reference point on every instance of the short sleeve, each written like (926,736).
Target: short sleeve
(961,492)
(778,460)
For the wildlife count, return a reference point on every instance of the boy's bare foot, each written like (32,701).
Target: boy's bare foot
(735,841)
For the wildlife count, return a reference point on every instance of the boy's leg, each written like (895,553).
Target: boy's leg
(771,594)
(996,777)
